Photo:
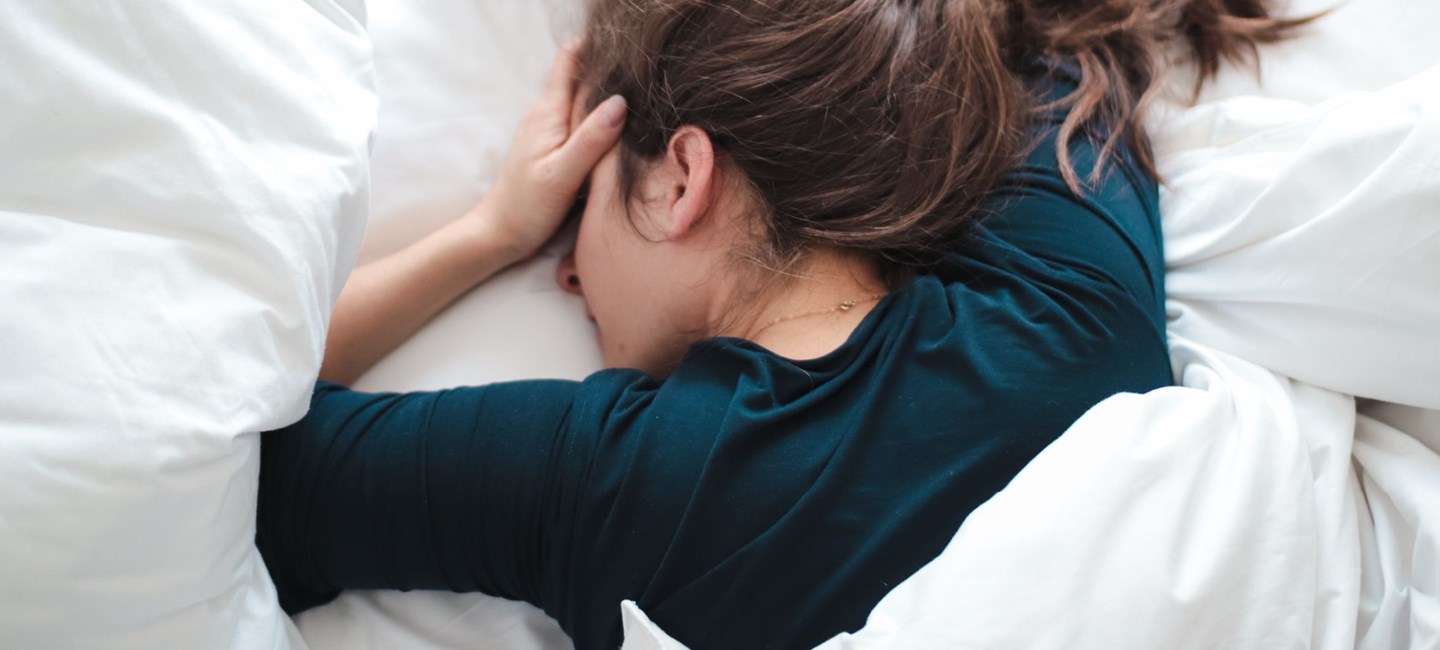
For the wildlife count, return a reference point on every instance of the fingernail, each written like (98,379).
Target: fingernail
(613,111)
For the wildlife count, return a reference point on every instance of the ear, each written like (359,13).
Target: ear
(690,179)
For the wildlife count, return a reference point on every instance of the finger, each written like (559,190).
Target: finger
(560,85)
(596,135)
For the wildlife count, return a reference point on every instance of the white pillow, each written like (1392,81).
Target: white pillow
(181,193)
(1304,238)
(454,78)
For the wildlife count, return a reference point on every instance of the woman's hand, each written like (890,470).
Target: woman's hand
(387,300)
(548,163)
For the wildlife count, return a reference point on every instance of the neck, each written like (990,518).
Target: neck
(802,316)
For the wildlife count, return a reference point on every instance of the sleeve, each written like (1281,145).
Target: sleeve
(452,490)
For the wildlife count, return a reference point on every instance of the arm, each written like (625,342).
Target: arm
(441,490)
(388,300)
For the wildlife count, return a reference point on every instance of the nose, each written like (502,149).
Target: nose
(567,277)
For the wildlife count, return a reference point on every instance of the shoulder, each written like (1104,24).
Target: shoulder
(1106,237)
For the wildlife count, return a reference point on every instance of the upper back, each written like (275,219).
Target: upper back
(755,501)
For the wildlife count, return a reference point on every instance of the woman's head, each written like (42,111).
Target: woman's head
(811,125)
(875,125)
(650,256)
(760,131)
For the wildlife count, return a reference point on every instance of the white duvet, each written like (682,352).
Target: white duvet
(182,189)
(1259,504)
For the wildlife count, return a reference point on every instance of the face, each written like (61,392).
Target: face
(646,293)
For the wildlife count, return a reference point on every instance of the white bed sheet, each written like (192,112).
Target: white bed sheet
(1255,506)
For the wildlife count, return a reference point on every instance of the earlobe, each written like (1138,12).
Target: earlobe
(691,156)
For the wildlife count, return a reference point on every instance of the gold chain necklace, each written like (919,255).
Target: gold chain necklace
(837,309)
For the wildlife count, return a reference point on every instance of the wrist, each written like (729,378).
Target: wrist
(491,241)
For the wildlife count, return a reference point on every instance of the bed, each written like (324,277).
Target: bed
(1285,494)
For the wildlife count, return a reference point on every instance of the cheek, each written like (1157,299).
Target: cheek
(600,258)
(593,248)
(610,259)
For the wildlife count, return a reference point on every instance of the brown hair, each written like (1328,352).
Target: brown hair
(883,125)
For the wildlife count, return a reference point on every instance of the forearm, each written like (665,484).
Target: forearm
(386,301)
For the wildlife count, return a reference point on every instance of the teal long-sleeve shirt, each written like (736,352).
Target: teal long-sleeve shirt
(747,501)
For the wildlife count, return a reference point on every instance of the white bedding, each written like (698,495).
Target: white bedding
(182,191)
(1257,505)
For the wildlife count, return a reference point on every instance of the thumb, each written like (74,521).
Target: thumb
(589,141)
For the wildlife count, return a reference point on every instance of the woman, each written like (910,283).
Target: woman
(853,263)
